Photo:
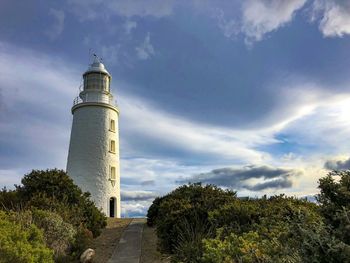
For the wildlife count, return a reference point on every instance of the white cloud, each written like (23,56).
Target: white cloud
(138,195)
(37,93)
(110,54)
(129,26)
(327,127)
(97,9)
(334,17)
(175,132)
(135,209)
(8,177)
(156,8)
(229,27)
(261,17)
(57,27)
(145,50)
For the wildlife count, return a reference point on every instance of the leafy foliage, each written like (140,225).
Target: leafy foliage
(51,201)
(55,190)
(182,217)
(335,202)
(206,224)
(22,243)
(58,234)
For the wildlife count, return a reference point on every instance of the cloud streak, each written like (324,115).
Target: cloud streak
(137,195)
(145,50)
(240,178)
(96,9)
(57,27)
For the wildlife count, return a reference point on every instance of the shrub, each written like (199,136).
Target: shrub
(69,213)
(83,239)
(189,203)
(290,233)
(207,224)
(152,212)
(55,190)
(334,202)
(9,199)
(22,244)
(58,234)
(188,246)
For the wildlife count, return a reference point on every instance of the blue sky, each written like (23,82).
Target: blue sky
(250,95)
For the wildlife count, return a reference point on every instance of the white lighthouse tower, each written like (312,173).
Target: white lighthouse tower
(93,157)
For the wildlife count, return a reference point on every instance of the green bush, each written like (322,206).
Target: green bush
(9,199)
(50,199)
(54,190)
(152,212)
(192,204)
(58,234)
(189,246)
(335,203)
(284,230)
(198,223)
(83,239)
(22,243)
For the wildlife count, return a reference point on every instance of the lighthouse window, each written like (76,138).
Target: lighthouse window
(113,173)
(112,146)
(112,125)
(92,81)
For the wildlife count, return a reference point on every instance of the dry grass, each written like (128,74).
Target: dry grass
(105,244)
(149,252)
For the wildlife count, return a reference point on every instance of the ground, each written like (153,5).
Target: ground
(149,252)
(105,244)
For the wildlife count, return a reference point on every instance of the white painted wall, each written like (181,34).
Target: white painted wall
(89,159)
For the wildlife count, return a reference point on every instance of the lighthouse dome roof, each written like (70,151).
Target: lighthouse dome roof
(97,66)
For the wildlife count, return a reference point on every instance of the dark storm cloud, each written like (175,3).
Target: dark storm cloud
(337,164)
(237,178)
(276,184)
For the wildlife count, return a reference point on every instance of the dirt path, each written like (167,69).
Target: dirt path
(105,244)
(149,253)
(129,239)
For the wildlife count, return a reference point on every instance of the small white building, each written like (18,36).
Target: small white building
(93,157)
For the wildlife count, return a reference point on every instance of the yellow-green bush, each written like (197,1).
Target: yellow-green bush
(22,243)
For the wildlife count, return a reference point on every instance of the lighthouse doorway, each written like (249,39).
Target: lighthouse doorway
(112,204)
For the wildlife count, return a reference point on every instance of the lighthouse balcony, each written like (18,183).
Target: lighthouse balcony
(104,99)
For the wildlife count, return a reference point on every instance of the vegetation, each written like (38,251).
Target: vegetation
(198,223)
(53,215)
(21,241)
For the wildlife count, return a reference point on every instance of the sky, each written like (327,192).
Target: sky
(249,95)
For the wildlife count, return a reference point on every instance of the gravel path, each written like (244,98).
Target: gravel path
(128,249)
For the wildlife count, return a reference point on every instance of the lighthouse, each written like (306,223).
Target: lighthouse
(93,157)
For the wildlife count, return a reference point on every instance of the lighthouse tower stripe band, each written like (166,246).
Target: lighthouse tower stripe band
(93,157)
